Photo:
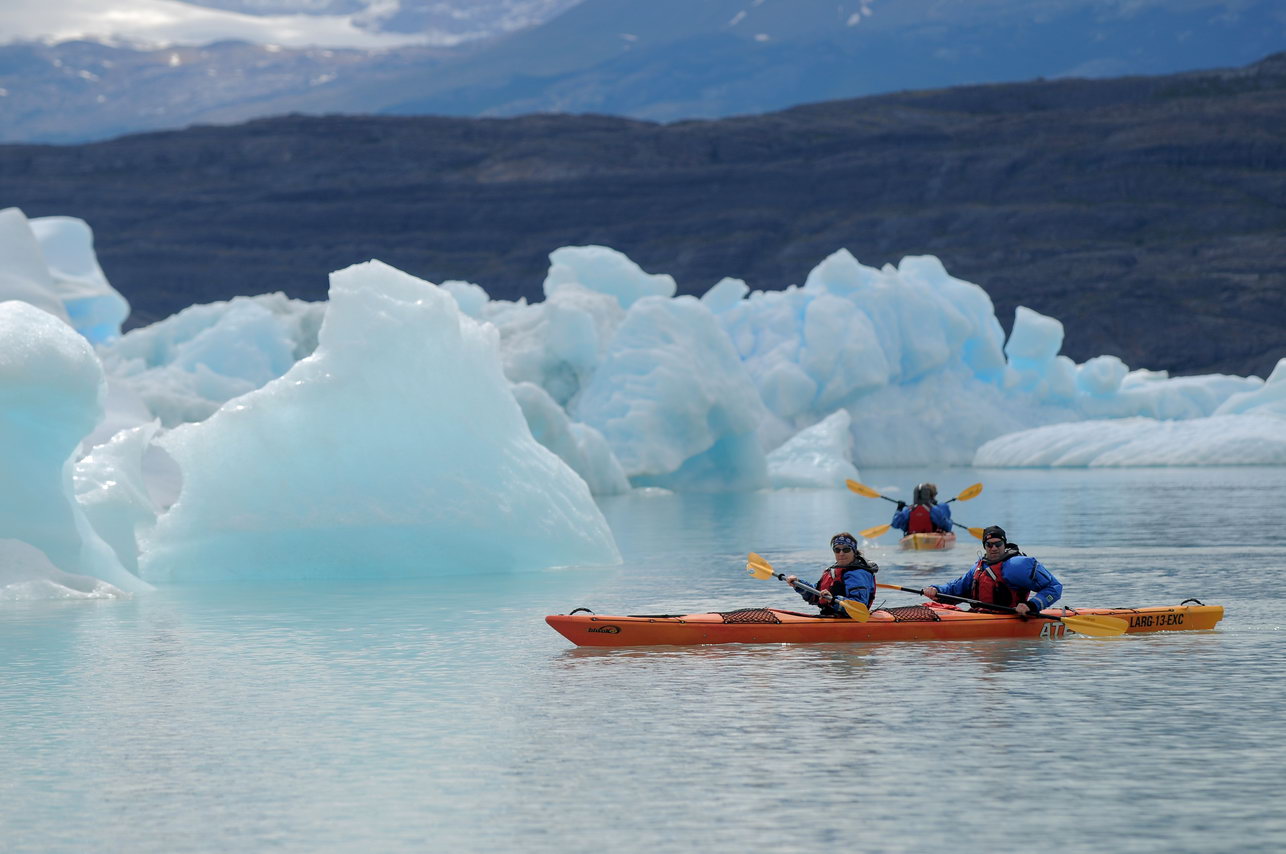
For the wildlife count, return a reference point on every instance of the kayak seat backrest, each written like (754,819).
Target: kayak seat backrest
(750,615)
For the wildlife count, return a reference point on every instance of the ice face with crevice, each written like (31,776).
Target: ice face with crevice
(395,449)
(51,393)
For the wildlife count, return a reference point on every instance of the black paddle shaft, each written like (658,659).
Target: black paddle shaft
(971,601)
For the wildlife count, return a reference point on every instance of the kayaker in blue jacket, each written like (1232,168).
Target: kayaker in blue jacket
(851,576)
(926,515)
(1004,576)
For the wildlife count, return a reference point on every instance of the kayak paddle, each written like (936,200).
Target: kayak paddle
(1086,624)
(863,489)
(881,530)
(760,568)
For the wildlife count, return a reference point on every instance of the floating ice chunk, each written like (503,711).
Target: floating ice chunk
(95,308)
(671,389)
(1032,348)
(1101,376)
(818,457)
(840,352)
(557,344)
(25,275)
(396,449)
(51,388)
(580,446)
(1266,399)
(1214,441)
(607,271)
(942,419)
(27,574)
(187,366)
(725,294)
(470,297)
(841,274)
(971,328)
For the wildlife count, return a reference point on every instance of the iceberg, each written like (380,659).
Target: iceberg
(27,574)
(1220,440)
(395,449)
(403,428)
(51,395)
(674,402)
(817,457)
(50,263)
(185,367)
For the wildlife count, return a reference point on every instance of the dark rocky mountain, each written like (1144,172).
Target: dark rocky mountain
(1148,214)
(661,60)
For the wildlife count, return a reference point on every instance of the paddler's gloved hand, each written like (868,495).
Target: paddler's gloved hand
(1033,607)
(901,505)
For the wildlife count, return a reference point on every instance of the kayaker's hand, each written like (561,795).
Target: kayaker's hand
(901,505)
(791,579)
(1024,610)
(930,593)
(826,596)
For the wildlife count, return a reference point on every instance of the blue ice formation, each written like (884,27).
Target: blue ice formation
(396,446)
(50,263)
(404,428)
(51,393)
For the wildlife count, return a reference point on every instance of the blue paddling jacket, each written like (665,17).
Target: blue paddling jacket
(856,583)
(1022,579)
(939,514)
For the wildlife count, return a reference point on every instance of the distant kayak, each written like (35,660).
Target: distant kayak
(928,542)
(913,623)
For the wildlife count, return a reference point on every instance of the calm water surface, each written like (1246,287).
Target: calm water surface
(444,715)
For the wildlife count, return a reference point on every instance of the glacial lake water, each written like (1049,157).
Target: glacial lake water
(442,714)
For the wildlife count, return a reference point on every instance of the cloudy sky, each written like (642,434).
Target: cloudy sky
(293,23)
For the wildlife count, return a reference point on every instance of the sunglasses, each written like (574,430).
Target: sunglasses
(994,543)
(842,549)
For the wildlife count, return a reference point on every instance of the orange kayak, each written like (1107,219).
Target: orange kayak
(913,623)
(925,542)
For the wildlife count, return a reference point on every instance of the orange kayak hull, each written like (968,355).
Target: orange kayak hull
(928,542)
(915,623)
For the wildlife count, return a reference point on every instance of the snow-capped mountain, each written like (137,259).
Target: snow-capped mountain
(656,59)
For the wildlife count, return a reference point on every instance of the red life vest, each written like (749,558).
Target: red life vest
(989,585)
(832,580)
(919,522)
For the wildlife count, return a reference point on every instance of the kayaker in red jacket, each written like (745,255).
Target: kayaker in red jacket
(1004,576)
(851,576)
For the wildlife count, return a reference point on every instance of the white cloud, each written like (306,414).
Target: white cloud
(162,23)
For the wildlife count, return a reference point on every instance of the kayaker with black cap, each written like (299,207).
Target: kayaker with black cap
(1004,576)
(851,576)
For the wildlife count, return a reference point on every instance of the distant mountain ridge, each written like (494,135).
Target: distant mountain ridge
(662,60)
(1147,214)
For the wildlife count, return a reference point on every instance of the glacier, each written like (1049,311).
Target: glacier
(405,428)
